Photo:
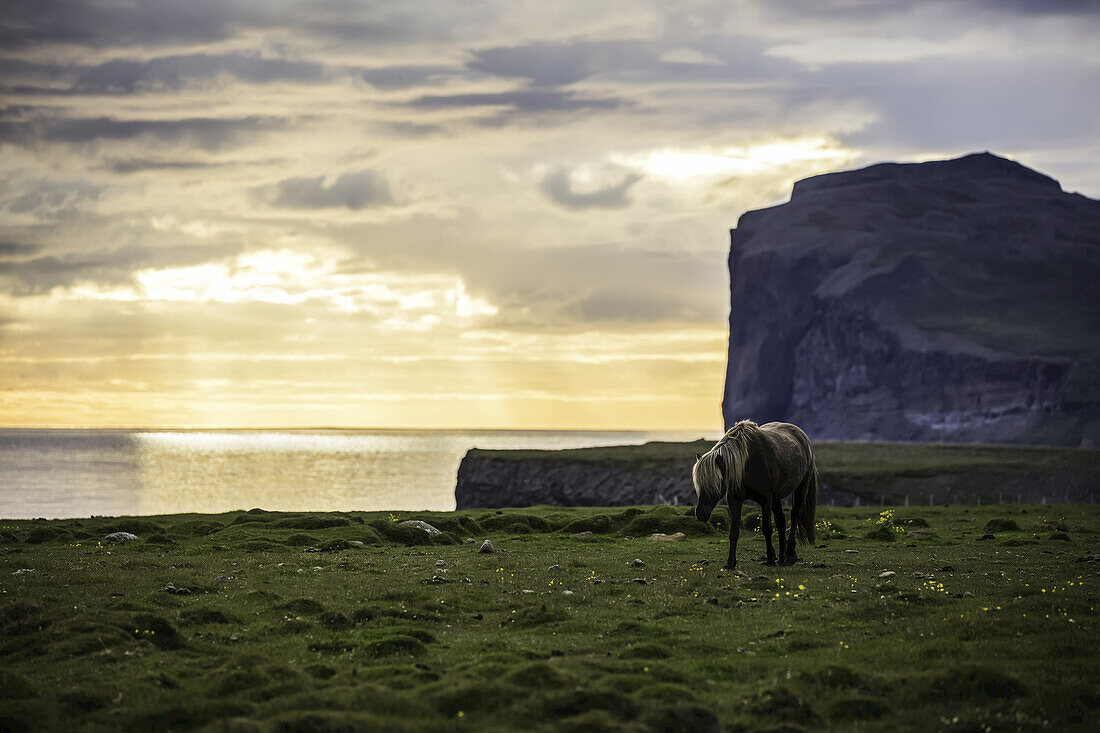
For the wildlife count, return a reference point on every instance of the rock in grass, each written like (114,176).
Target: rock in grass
(638,563)
(887,574)
(662,537)
(418,524)
(486,548)
(554,569)
(120,537)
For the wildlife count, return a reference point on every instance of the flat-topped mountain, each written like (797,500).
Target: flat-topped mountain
(953,300)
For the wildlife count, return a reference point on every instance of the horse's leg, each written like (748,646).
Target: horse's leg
(792,538)
(780,530)
(766,528)
(735,530)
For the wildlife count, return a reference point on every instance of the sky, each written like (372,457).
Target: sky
(476,214)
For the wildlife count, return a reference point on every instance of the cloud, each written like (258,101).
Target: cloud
(558,186)
(138,165)
(519,103)
(406,76)
(102,267)
(12,249)
(47,197)
(172,72)
(559,64)
(207,133)
(353,190)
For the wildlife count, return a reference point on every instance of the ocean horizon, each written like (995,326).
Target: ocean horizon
(57,473)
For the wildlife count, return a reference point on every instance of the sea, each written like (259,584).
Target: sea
(64,473)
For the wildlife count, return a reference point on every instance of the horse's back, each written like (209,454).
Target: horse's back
(791,445)
(785,431)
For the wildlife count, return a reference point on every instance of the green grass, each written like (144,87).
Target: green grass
(989,620)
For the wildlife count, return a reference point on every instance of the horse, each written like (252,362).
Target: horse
(762,463)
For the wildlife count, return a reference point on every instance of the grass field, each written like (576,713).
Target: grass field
(265,621)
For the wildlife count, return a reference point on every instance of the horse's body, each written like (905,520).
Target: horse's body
(761,463)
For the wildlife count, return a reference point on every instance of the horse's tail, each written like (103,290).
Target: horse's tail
(805,515)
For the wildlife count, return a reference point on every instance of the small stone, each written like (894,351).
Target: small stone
(852,552)
(583,534)
(439,563)
(662,537)
(418,524)
(567,592)
(486,548)
(947,569)
(638,563)
(436,579)
(24,571)
(554,569)
(639,581)
(918,574)
(120,537)
(357,543)
(525,590)
(317,568)
(967,594)
(887,574)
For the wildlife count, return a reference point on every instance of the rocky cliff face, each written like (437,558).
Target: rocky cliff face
(953,300)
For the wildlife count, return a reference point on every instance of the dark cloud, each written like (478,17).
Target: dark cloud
(14,249)
(558,64)
(172,72)
(208,133)
(403,77)
(559,188)
(408,129)
(354,190)
(526,101)
(102,24)
(106,267)
(138,165)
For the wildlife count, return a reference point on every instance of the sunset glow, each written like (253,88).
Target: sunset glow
(430,215)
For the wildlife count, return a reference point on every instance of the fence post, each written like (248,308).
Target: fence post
(907,500)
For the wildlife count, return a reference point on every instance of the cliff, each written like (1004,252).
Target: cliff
(851,473)
(944,301)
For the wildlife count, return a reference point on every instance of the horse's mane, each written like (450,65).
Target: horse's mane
(732,448)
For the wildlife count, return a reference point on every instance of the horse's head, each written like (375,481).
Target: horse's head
(709,478)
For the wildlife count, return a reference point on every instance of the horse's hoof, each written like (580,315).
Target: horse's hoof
(730,566)
(770,563)
(790,561)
